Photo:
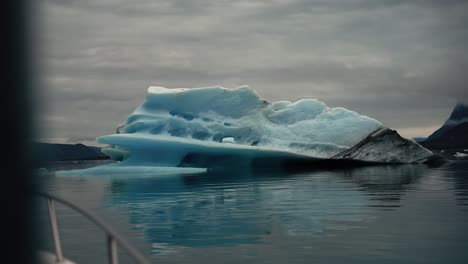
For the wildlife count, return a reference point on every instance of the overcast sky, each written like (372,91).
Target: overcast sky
(402,62)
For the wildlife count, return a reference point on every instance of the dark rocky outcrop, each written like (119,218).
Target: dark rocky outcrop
(387,146)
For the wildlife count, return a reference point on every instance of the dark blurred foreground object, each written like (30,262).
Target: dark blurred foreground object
(16,83)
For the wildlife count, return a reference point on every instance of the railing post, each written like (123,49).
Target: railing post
(55,231)
(112,250)
(112,237)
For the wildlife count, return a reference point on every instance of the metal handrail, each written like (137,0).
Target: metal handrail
(113,238)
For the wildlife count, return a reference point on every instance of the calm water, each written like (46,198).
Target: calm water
(385,214)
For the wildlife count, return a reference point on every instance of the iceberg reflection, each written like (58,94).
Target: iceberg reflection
(243,208)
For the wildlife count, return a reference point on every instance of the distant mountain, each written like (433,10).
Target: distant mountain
(419,139)
(453,134)
(64,152)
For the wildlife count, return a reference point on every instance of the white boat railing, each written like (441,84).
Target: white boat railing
(113,238)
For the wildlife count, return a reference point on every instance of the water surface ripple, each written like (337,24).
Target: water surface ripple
(381,214)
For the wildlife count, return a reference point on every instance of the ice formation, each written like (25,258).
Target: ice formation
(201,127)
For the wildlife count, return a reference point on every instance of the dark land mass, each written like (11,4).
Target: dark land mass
(453,135)
(48,152)
(451,140)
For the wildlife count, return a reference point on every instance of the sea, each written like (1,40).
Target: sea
(375,214)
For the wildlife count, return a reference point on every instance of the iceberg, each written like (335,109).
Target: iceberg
(218,127)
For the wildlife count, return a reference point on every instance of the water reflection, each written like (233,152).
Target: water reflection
(457,172)
(385,185)
(244,208)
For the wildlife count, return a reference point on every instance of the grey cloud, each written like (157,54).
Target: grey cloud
(138,8)
(402,62)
